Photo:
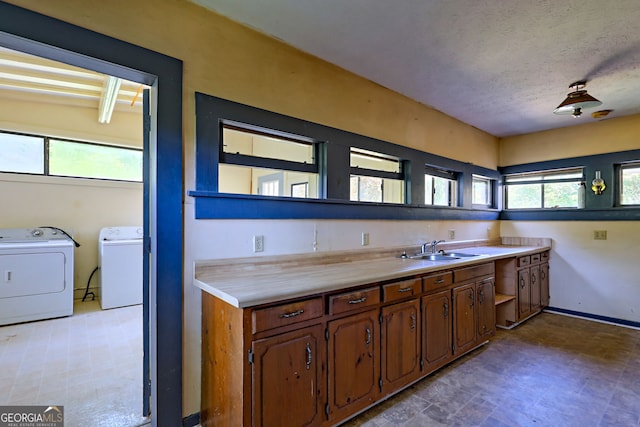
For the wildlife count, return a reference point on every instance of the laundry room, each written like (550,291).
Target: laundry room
(71,153)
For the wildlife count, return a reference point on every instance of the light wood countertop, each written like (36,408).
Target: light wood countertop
(249,282)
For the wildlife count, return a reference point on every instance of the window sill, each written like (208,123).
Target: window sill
(213,205)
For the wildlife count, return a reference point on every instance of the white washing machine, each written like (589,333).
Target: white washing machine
(36,267)
(120,262)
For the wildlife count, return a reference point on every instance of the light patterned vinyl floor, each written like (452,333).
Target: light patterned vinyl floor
(552,370)
(91,363)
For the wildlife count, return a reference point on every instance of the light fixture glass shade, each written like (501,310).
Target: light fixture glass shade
(576,100)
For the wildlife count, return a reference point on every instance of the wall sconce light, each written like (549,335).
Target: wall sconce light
(598,185)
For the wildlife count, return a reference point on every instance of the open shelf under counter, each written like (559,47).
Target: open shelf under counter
(502,298)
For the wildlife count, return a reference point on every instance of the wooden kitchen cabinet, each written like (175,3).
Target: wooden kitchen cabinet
(289,378)
(474,309)
(436,327)
(485,300)
(522,288)
(544,284)
(524,293)
(401,340)
(354,363)
(464,318)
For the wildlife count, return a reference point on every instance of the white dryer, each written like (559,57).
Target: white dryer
(120,262)
(36,268)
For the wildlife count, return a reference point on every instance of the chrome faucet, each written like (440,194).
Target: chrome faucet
(433,245)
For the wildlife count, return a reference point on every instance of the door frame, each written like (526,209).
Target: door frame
(38,34)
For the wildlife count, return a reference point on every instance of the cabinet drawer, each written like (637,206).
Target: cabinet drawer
(398,290)
(535,258)
(286,314)
(436,281)
(464,274)
(354,300)
(524,261)
(544,256)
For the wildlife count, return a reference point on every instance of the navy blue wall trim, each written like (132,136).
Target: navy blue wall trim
(595,317)
(211,112)
(602,207)
(233,206)
(41,35)
(192,420)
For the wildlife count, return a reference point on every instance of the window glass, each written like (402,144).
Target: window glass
(237,141)
(375,189)
(267,182)
(440,191)
(67,158)
(371,160)
(481,194)
(21,153)
(545,189)
(630,184)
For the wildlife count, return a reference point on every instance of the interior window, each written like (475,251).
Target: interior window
(21,153)
(482,189)
(256,162)
(375,177)
(440,188)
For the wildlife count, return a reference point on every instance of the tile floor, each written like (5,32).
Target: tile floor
(553,370)
(90,362)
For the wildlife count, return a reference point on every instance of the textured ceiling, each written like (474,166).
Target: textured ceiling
(499,65)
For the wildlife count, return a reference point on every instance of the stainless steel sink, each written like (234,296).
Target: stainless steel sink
(459,254)
(434,257)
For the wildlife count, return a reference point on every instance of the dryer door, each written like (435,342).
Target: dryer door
(32,274)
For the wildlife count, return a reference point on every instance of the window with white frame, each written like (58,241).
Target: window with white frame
(375,177)
(440,188)
(482,191)
(629,178)
(544,189)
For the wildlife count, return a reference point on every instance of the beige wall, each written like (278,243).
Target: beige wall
(595,137)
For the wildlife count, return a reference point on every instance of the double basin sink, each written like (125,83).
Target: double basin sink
(442,256)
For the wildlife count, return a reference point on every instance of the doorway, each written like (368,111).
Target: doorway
(43,36)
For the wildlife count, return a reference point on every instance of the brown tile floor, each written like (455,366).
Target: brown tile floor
(552,370)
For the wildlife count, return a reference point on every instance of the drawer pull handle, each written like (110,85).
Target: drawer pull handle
(439,281)
(403,290)
(368,340)
(358,301)
(309,356)
(294,314)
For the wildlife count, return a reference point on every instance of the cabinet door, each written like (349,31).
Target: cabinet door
(464,318)
(354,365)
(400,344)
(436,327)
(288,379)
(524,294)
(534,280)
(544,284)
(485,299)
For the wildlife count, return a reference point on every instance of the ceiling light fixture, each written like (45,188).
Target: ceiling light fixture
(577,100)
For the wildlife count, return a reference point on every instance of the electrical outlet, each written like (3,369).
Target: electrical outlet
(258,243)
(452,234)
(600,235)
(365,239)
